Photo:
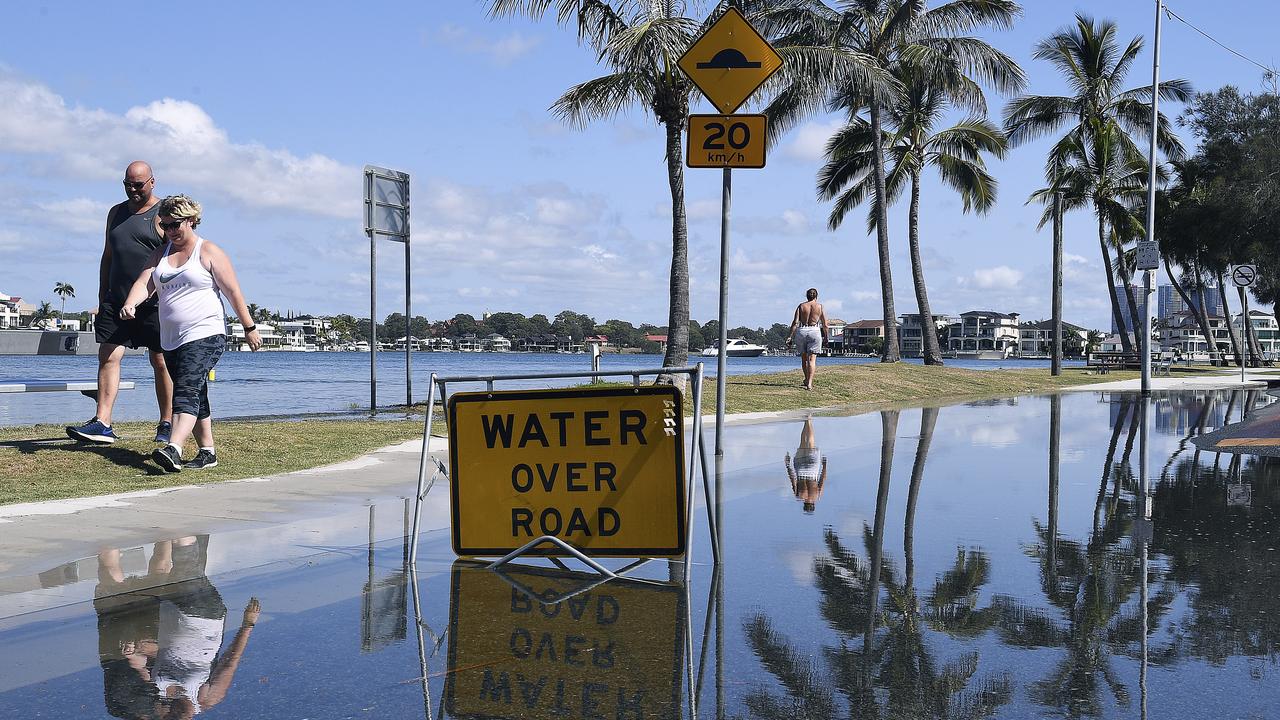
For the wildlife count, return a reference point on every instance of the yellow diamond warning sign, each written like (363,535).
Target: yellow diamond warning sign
(730,61)
(601,469)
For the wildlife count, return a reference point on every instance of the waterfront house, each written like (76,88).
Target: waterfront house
(544,342)
(1181,333)
(601,340)
(858,335)
(470,343)
(271,339)
(911,337)
(979,330)
(660,339)
(1112,343)
(305,333)
(1265,327)
(835,336)
(1036,339)
(13,310)
(493,342)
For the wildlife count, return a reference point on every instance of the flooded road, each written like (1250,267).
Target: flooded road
(999,559)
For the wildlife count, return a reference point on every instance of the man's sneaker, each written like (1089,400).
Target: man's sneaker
(93,431)
(203,459)
(163,430)
(167,458)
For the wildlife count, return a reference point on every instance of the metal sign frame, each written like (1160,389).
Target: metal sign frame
(373,173)
(697,459)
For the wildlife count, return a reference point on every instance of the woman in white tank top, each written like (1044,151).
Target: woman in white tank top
(190,275)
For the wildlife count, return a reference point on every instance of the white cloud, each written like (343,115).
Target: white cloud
(863,296)
(183,144)
(1001,277)
(500,51)
(79,215)
(811,140)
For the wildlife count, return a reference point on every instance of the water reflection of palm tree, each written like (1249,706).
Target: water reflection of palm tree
(897,660)
(1091,585)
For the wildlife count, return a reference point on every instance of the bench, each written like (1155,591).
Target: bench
(1163,364)
(26,386)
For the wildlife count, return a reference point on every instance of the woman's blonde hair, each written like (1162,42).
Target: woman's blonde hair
(181,207)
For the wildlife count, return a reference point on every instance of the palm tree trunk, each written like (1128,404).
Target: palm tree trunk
(888,437)
(1140,339)
(1125,343)
(678,318)
(890,352)
(1198,312)
(1210,339)
(1250,334)
(928,331)
(1226,311)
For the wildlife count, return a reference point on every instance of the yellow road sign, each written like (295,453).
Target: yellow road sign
(601,469)
(730,61)
(520,652)
(726,141)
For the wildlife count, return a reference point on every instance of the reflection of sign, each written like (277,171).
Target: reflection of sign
(614,651)
(732,141)
(1239,494)
(730,61)
(1244,275)
(1148,256)
(386,203)
(601,469)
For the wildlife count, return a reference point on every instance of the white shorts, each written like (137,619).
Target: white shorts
(808,340)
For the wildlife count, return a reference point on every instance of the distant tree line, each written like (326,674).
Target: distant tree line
(516,326)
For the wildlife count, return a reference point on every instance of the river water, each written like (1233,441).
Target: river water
(300,384)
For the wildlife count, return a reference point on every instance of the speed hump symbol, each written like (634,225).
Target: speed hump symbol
(1244,275)
(727,141)
(730,61)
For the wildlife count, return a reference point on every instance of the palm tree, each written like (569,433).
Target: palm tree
(43,313)
(1182,231)
(889,33)
(955,152)
(1102,121)
(64,291)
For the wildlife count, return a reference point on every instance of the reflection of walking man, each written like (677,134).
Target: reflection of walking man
(133,232)
(809,472)
(805,333)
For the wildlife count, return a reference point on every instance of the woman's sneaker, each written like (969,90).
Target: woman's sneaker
(203,459)
(93,431)
(167,458)
(163,431)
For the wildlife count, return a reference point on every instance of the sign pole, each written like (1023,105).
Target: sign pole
(1056,350)
(373,322)
(1244,330)
(1145,345)
(408,336)
(725,201)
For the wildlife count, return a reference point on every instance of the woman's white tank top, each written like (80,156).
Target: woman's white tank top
(190,302)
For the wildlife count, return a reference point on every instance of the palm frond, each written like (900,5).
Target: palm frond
(602,98)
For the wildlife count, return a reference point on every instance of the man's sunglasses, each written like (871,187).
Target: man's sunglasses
(137,185)
(171,225)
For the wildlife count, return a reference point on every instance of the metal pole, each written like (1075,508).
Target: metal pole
(373,323)
(408,336)
(726,197)
(1145,346)
(1244,330)
(422,466)
(1056,362)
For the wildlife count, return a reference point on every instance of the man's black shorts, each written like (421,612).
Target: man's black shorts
(142,331)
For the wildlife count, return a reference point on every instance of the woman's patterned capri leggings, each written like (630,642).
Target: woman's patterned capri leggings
(189,367)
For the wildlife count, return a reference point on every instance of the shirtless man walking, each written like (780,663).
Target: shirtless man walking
(806,335)
(133,232)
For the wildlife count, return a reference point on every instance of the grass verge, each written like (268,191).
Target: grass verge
(39,462)
(875,384)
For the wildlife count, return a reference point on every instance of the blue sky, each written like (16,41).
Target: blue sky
(266,113)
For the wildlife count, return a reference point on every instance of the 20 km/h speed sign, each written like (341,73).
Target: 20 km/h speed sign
(600,469)
(726,141)
(1244,275)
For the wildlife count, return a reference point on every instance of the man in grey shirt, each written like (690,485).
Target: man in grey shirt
(133,232)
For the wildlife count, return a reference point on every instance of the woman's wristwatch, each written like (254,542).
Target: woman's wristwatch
(250,329)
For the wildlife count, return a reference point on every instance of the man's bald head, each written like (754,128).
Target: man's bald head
(138,184)
(137,171)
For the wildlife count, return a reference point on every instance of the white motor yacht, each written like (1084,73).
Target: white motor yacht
(737,347)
